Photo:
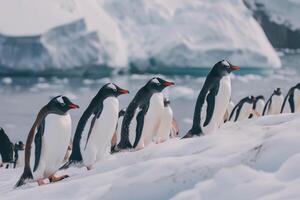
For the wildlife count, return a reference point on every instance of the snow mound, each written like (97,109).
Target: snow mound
(250,159)
(145,35)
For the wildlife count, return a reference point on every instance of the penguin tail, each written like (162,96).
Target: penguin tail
(27,175)
(192,133)
(123,145)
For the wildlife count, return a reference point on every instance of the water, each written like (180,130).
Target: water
(22,97)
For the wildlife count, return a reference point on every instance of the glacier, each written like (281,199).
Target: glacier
(160,36)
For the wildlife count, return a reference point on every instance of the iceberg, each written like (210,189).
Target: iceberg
(160,36)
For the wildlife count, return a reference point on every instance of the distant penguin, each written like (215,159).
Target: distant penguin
(216,92)
(143,115)
(51,133)
(165,125)
(293,96)
(274,103)
(243,109)
(228,111)
(258,106)
(117,135)
(18,149)
(96,127)
(6,149)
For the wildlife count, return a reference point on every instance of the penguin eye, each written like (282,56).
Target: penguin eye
(112,86)
(155,81)
(225,63)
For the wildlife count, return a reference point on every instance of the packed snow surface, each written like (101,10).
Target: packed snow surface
(251,159)
(141,34)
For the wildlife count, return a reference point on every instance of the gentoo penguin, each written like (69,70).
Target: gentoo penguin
(216,92)
(258,106)
(228,111)
(18,147)
(243,109)
(117,135)
(96,127)
(51,133)
(143,115)
(293,96)
(165,125)
(274,103)
(6,148)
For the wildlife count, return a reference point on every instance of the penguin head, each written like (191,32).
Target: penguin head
(223,68)
(60,105)
(111,89)
(20,145)
(277,91)
(157,84)
(259,97)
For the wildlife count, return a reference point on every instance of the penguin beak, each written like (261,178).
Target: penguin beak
(122,91)
(167,83)
(73,106)
(234,68)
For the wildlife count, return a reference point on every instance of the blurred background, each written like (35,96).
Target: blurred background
(73,47)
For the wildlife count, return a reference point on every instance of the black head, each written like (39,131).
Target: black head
(223,68)
(250,99)
(20,145)
(298,86)
(60,105)
(157,84)
(111,89)
(277,91)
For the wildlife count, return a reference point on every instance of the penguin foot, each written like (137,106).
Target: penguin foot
(54,179)
(41,182)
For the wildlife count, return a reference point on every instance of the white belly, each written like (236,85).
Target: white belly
(260,104)
(152,119)
(246,110)
(101,134)
(297,100)
(221,104)
(164,129)
(276,104)
(55,143)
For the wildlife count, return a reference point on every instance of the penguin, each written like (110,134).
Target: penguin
(293,96)
(216,92)
(117,135)
(96,127)
(274,103)
(165,125)
(258,106)
(243,109)
(18,147)
(143,115)
(228,111)
(51,133)
(6,149)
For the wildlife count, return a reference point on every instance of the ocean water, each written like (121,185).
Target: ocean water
(22,97)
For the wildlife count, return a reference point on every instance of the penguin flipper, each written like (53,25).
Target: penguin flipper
(268,105)
(140,124)
(38,144)
(27,175)
(210,99)
(292,103)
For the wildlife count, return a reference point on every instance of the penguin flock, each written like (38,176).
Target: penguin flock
(148,118)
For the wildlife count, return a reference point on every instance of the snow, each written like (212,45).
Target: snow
(281,12)
(252,159)
(141,34)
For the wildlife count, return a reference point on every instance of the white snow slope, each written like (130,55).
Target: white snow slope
(169,33)
(252,159)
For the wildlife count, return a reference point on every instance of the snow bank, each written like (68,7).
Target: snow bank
(250,159)
(145,35)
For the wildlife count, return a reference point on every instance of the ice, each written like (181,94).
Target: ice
(85,37)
